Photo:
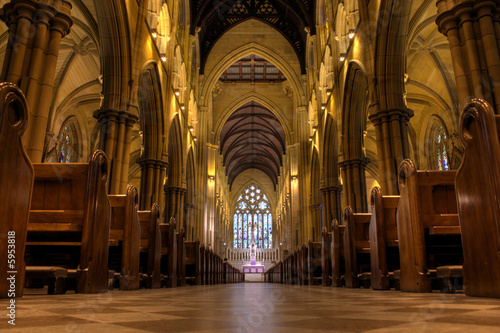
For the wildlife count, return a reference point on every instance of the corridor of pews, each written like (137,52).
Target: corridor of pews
(440,234)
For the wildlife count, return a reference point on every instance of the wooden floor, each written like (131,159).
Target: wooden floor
(254,307)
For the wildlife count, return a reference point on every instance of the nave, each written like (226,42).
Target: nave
(255,307)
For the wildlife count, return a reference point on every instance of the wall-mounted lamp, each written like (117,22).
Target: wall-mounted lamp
(315,128)
(191,129)
(182,107)
(177,92)
(163,57)
(211,177)
(342,57)
(328,92)
(323,107)
(294,177)
(154,34)
(195,139)
(311,138)
(352,33)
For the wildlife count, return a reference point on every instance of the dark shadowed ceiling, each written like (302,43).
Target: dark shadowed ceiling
(215,17)
(252,138)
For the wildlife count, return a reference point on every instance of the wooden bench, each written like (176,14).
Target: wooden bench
(16,178)
(314,268)
(169,253)
(202,265)
(70,220)
(54,277)
(302,267)
(427,223)
(384,247)
(193,263)
(125,238)
(326,257)
(337,254)
(356,247)
(181,257)
(478,193)
(150,266)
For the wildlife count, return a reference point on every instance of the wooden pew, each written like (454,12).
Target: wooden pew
(326,257)
(384,247)
(478,193)
(70,220)
(181,257)
(16,180)
(150,266)
(314,268)
(125,238)
(169,253)
(427,223)
(337,254)
(302,266)
(202,265)
(192,263)
(356,247)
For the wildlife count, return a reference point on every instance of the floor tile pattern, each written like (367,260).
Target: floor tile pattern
(253,307)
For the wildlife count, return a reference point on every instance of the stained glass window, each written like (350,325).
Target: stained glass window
(441,151)
(253,220)
(67,144)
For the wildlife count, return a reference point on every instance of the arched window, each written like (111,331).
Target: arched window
(253,221)
(441,150)
(67,145)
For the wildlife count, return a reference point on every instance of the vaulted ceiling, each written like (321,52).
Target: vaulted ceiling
(215,17)
(252,138)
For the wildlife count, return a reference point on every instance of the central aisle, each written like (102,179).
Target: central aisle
(254,307)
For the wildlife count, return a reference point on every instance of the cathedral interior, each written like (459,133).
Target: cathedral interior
(254,124)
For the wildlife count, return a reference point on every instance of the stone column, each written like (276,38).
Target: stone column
(152,175)
(35,32)
(189,218)
(115,136)
(391,131)
(354,184)
(317,224)
(473,31)
(332,207)
(174,204)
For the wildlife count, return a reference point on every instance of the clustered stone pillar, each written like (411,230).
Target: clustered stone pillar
(317,221)
(189,213)
(115,136)
(174,204)
(332,205)
(473,31)
(354,184)
(152,175)
(391,130)
(35,32)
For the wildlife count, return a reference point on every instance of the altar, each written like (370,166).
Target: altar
(253,269)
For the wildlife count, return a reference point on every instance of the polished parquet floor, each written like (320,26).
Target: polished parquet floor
(254,307)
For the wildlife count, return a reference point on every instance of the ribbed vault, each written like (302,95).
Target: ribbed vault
(215,17)
(252,138)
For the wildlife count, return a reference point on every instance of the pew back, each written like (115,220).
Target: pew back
(427,206)
(70,208)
